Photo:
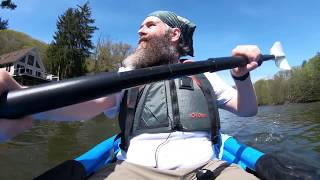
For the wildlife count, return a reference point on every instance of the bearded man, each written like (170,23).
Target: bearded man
(168,128)
(157,147)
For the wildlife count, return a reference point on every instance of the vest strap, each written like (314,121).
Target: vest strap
(126,119)
(207,90)
(175,106)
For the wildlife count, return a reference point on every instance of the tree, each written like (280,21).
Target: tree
(72,43)
(299,85)
(6,4)
(304,62)
(262,91)
(108,55)
(3,24)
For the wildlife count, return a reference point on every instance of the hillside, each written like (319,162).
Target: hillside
(11,40)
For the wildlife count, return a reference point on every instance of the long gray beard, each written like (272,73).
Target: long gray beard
(158,51)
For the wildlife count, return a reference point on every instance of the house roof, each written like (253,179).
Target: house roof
(14,56)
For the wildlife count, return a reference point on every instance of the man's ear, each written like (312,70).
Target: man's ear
(175,34)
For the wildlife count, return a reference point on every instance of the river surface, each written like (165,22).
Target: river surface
(292,129)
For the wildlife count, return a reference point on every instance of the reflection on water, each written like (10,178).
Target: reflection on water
(50,143)
(292,129)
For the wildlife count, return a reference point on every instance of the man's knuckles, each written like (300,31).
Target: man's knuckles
(7,82)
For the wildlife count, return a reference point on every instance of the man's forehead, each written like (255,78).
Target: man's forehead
(151,19)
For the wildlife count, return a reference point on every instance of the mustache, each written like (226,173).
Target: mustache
(143,38)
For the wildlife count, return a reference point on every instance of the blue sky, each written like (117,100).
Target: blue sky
(221,24)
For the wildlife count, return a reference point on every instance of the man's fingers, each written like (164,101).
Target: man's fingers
(252,52)
(252,65)
(7,83)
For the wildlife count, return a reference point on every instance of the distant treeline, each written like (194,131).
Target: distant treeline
(299,85)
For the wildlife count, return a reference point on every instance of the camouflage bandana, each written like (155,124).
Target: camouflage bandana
(187,28)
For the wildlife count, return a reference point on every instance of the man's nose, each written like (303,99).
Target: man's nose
(142,31)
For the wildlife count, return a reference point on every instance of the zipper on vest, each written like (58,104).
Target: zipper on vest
(175,107)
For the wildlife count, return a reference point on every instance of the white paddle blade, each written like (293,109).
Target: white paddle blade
(280,58)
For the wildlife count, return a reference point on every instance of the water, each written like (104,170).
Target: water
(292,129)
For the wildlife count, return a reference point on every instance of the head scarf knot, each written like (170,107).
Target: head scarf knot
(186,27)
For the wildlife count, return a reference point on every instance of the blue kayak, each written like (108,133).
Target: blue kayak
(231,151)
(262,165)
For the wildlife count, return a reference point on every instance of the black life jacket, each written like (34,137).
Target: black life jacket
(183,104)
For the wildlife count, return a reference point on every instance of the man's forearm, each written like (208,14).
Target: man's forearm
(81,111)
(245,104)
(246,98)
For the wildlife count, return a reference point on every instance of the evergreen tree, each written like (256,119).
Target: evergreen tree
(72,43)
(6,4)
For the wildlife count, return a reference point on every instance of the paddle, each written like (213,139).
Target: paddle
(54,95)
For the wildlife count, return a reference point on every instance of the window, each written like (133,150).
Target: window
(22,70)
(37,65)
(23,59)
(38,74)
(29,71)
(19,67)
(30,60)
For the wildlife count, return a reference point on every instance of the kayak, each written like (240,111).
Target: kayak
(262,165)
(231,151)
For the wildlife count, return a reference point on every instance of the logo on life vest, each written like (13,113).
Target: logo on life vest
(198,115)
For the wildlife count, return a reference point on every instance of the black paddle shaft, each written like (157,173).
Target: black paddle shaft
(53,95)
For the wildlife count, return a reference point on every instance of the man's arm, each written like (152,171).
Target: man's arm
(81,111)
(10,128)
(245,102)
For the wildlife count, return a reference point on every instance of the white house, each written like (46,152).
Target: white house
(26,63)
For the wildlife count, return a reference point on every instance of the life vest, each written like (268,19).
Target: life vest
(184,104)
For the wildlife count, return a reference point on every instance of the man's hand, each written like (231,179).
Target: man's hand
(252,53)
(11,128)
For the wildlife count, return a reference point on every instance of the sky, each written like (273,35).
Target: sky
(221,24)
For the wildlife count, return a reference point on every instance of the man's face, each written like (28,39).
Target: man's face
(151,27)
(155,45)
